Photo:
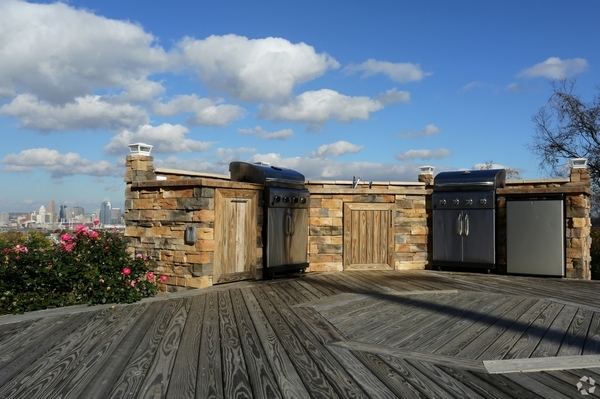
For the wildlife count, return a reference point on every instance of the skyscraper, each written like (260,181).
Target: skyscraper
(105,212)
(52,211)
(62,214)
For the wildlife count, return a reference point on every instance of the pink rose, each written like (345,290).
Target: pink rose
(94,234)
(138,255)
(65,237)
(163,278)
(96,222)
(150,276)
(133,283)
(126,271)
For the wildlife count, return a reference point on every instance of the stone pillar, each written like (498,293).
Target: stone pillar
(579,225)
(426,175)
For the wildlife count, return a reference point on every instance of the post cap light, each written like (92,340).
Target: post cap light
(426,170)
(140,149)
(579,163)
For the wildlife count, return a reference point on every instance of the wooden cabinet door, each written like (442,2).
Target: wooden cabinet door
(368,236)
(235,235)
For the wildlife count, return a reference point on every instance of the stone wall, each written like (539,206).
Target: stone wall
(157,213)
(577,193)
(326,221)
(161,204)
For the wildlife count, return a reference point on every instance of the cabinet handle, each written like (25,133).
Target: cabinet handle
(459,225)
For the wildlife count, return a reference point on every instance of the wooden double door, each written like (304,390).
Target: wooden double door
(368,236)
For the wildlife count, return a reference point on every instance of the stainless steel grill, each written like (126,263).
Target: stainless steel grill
(285,228)
(464,218)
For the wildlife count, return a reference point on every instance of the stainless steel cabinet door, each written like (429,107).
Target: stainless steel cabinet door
(287,236)
(447,238)
(479,236)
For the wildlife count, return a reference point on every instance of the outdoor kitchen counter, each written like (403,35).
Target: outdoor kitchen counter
(384,334)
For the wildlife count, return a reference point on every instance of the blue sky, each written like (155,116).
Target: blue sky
(333,89)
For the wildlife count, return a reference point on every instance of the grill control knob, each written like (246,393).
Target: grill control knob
(469,201)
(442,202)
(277,198)
(303,200)
(295,200)
(455,201)
(286,199)
(482,201)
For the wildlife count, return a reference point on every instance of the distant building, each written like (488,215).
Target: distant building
(78,211)
(4,218)
(42,216)
(52,211)
(105,213)
(115,216)
(63,214)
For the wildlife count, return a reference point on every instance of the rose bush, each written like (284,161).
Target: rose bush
(85,267)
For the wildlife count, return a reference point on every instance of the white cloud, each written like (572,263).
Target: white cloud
(263,134)
(254,69)
(411,155)
(165,138)
(227,155)
(317,107)
(197,164)
(89,112)
(324,168)
(555,68)
(207,112)
(398,72)
(58,53)
(139,91)
(57,164)
(427,131)
(337,149)
(393,96)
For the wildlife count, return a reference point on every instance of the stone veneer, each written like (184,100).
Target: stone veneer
(162,203)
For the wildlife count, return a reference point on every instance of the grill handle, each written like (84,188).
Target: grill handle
(451,185)
(290,225)
(459,225)
(284,181)
(466,224)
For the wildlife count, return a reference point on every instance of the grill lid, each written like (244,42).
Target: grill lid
(260,173)
(471,180)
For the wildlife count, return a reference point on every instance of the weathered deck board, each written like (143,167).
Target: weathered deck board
(574,339)
(592,341)
(551,341)
(416,334)
(236,383)
(156,382)
(483,341)
(209,383)
(130,380)
(454,325)
(105,379)
(455,345)
(286,375)
(21,362)
(529,340)
(259,371)
(501,346)
(182,383)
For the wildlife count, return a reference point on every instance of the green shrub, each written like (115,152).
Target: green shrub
(86,267)
(31,240)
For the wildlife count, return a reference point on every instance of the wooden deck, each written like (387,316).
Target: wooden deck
(359,334)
